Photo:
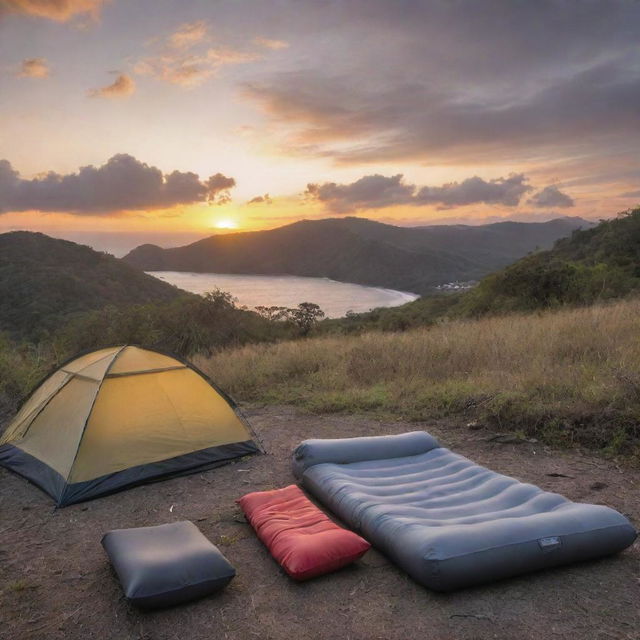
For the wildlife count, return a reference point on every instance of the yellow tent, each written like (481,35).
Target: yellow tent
(119,417)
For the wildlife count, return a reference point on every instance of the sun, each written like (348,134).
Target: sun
(225,223)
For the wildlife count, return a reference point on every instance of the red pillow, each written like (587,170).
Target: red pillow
(300,536)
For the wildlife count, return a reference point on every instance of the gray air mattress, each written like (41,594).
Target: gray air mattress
(450,523)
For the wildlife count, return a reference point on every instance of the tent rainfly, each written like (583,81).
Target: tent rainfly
(119,417)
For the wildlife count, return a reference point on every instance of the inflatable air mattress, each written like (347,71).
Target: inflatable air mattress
(450,523)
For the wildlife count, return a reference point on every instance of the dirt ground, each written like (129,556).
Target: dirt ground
(55,581)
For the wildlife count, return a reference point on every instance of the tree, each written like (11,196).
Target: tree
(305,316)
(272,313)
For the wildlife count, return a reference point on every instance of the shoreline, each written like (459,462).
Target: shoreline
(334,307)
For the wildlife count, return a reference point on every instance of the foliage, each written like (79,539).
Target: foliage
(44,281)
(21,367)
(425,311)
(304,317)
(185,326)
(598,264)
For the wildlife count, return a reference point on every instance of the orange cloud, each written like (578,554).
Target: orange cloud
(188,34)
(121,87)
(274,45)
(226,55)
(265,199)
(185,57)
(175,66)
(59,10)
(34,68)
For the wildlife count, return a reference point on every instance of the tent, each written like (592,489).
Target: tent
(119,417)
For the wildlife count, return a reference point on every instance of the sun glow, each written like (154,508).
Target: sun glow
(225,223)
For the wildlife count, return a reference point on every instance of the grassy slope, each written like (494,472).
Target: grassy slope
(571,376)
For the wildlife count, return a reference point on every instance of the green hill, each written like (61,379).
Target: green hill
(591,265)
(44,281)
(362,251)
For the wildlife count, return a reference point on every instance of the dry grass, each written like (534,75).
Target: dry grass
(569,376)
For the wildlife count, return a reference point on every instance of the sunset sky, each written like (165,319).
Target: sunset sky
(131,121)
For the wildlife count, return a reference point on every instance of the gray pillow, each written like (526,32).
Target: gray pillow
(167,564)
(346,450)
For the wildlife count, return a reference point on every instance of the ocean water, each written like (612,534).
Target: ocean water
(334,298)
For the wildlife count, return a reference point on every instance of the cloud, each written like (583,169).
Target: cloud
(218,187)
(274,45)
(336,118)
(122,87)
(631,194)
(58,10)
(369,192)
(501,191)
(377,191)
(551,196)
(121,184)
(186,58)
(577,95)
(265,199)
(188,34)
(191,70)
(34,68)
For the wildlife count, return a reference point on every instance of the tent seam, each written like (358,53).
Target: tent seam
(93,404)
(142,372)
(44,405)
(71,375)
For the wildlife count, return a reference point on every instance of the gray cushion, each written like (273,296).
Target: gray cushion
(167,564)
(451,523)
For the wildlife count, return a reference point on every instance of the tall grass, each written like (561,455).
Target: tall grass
(21,368)
(571,376)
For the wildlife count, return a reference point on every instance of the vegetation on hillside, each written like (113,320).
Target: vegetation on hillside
(22,366)
(44,282)
(592,265)
(567,377)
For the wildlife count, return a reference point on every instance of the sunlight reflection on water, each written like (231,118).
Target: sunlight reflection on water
(334,298)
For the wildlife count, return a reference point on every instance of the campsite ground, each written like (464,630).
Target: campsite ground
(55,581)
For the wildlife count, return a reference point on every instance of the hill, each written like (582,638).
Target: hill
(591,265)
(44,281)
(362,251)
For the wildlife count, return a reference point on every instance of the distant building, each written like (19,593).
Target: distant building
(457,285)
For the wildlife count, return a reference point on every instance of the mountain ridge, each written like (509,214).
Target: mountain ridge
(363,251)
(595,265)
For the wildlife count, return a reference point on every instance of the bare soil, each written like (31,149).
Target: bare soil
(55,581)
